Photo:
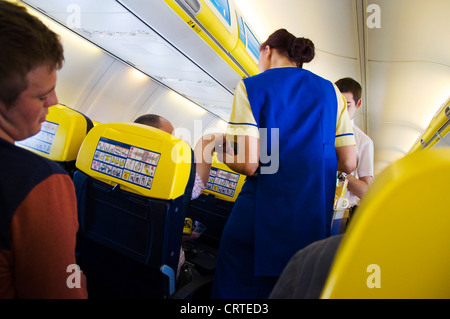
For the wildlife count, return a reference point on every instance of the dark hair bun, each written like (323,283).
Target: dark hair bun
(299,50)
(302,50)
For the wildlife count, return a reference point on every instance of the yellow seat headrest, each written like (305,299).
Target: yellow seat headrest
(61,135)
(141,159)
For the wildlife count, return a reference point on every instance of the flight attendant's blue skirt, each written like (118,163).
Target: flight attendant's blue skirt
(235,277)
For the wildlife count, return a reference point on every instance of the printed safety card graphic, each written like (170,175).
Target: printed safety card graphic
(125,162)
(222,182)
(43,140)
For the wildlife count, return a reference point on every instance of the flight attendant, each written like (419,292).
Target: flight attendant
(293,133)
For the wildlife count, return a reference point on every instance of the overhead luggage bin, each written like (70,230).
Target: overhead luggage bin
(437,132)
(151,37)
(224,29)
(248,46)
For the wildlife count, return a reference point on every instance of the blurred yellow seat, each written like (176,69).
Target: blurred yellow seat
(398,245)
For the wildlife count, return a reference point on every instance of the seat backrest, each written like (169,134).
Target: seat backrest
(223,182)
(398,244)
(133,186)
(60,137)
(214,205)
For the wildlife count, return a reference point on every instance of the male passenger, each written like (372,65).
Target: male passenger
(362,176)
(203,150)
(203,153)
(38,213)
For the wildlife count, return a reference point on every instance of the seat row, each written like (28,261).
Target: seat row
(133,186)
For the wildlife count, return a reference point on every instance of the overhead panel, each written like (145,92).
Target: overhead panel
(139,40)
(223,29)
(436,135)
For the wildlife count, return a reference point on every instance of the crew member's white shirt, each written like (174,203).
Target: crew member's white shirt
(365,158)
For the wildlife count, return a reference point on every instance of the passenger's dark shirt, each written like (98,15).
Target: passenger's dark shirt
(306,273)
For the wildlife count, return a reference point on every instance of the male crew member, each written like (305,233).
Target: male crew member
(361,177)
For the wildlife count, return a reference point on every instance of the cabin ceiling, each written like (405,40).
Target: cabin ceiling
(403,66)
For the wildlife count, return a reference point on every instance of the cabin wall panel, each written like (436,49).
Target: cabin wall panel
(189,120)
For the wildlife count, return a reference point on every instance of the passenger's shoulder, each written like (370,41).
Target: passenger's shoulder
(22,162)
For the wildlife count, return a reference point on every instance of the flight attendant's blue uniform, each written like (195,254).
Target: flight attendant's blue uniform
(281,210)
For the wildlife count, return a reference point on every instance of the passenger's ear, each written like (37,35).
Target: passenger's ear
(358,104)
(267,51)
